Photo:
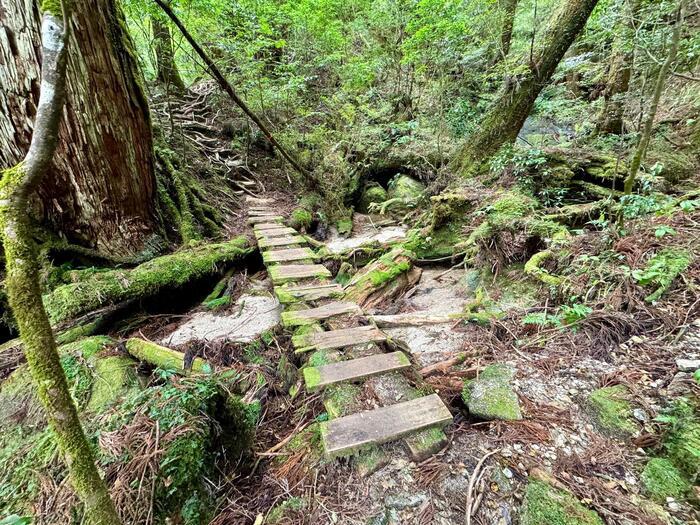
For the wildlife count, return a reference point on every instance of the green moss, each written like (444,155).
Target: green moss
(344,226)
(425,443)
(73,334)
(312,378)
(171,271)
(612,412)
(164,358)
(661,479)
(491,396)
(435,243)
(53,7)
(301,218)
(218,303)
(88,346)
(340,400)
(534,267)
(545,505)
(373,193)
(392,271)
(113,374)
(682,441)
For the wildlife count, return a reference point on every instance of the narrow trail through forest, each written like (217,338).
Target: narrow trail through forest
(312,301)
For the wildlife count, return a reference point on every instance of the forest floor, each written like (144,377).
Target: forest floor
(559,440)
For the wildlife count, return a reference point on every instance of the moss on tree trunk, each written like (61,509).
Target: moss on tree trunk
(514,103)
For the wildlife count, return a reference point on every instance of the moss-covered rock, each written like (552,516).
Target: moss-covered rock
(405,187)
(301,219)
(661,479)
(545,505)
(611,411)
(491,395)
(373,193)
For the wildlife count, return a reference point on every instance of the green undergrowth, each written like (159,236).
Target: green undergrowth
(612,411)
(545,505)
(661,270)
(169,271)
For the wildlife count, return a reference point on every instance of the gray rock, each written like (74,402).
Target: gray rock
(688,365)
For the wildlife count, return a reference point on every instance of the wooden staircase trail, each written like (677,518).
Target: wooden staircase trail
(324,323)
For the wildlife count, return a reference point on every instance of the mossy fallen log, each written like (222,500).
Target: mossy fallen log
(534,268)
(383,278)
(144,281)
(166,358)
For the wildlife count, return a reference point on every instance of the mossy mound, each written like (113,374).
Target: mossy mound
(682,442)
(545,505)
(301,219)
(373,193)
(661,479)
(405,187)
(491,395)
(612,412)
(112,376)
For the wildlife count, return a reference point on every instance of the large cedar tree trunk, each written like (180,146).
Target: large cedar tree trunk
(506,117)
(100,190)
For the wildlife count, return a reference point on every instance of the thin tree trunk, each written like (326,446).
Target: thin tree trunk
(228,88)
(22,279)
(514,103)
(508,7)
(101,193)
(621,63)
(656,97)
(167,71)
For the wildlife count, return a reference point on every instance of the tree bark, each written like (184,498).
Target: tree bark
(166,69)
(22,281)
(656,97)
(621,63)
(102,188)
(508,7)
(505,118)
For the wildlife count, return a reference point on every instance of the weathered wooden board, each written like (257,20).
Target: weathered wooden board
(275,232)
(262,226)
(258,200)
(265,218)
(339,338)
(258,213)
(281,241)
(292,294)
(349,433)
(291,272)
(287,255)
(310,316)
(354,369)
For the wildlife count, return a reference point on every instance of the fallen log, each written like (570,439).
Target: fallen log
(443,366)
(383,279)
(144,281)
(165,358)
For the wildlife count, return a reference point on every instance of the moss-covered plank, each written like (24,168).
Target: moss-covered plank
(291,272)
(274,232)
(354,369)
(261,226)
(287,255)
(290,240)
(264,218)
(311,315)
(339,338)
(291,294)
(347,434)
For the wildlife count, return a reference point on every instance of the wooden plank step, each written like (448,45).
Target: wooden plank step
(291,272)
(262,226)
(275,232)
(339,338)
(354,369)
(265,218)
(288,255)
(292,294)
(310,316)
(259,213)
(258,200)
(349,433)
(280,241)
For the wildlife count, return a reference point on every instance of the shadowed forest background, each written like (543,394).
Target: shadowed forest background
(508,189)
